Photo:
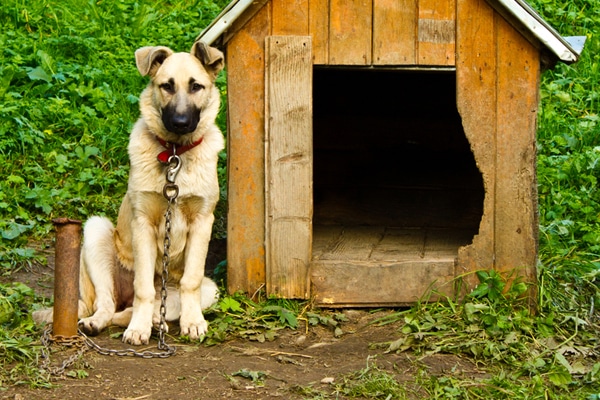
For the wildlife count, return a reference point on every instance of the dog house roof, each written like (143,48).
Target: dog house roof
(520,15)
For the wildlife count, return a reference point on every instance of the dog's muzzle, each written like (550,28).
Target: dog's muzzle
(180,123)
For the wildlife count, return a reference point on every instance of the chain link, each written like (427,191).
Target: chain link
(48,339)
(83,343)
(170,191)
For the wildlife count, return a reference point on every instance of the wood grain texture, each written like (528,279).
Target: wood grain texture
(436,32)
(476,103)
(352,283)
(242,20)
(246,186)
(270,147)
(497,97)
(290,17)
(350,32)
(395,32)
(319,30)
(289,160)
(378,244)
(355,244)
(516,189)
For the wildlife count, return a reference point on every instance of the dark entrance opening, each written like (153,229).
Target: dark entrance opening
(394,176)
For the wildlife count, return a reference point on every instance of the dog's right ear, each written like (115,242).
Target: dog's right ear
(212,58)
(148,59)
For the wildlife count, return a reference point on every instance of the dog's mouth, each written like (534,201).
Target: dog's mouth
(180,123)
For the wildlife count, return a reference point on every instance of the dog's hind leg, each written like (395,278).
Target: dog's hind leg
(46,315)
(96,278)
(122,318)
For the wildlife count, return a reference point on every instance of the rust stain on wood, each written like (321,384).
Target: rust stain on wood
(394,32)
(245,227)
(436,30)
(476,103)
(350,32)
(516,190)
(290,17)
(497,81)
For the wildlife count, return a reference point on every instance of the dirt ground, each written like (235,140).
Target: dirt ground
(304,358)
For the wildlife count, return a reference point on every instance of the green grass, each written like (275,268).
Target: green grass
(569,166)
(69,96)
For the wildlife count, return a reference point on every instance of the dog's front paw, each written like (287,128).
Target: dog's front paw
(89,327)
(93,325)
(137,336)
(194,330)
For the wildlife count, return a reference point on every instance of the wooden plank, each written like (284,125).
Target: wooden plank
(355,243)
(288,164)
(243,19)
(290,17)
(324,238)
(353,284)
(475,97)
(319,30)
(385,244)
(350,32)
(516,186)
(394,32)
(436,32)
(400,244)
(444,243)
(246,203)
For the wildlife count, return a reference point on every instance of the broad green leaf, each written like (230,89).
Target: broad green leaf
(38,73)
(559,376)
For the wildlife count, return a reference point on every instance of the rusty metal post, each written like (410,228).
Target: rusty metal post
(66,276)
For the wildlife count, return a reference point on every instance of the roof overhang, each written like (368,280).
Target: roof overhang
(526,20)
(517,12)
(224,20)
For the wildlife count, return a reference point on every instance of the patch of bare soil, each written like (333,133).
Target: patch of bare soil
(295,359)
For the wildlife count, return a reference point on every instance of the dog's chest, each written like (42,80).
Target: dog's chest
(198,178)
(183,213)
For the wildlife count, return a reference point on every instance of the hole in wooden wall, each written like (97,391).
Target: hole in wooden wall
(394,175)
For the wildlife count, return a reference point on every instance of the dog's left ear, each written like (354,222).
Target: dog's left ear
(148,59)
(212,59)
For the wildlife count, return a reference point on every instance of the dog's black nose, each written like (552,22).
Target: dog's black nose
(180,122)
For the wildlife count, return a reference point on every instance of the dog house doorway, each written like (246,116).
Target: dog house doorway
(396,187)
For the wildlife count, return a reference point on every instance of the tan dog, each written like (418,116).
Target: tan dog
(119,266)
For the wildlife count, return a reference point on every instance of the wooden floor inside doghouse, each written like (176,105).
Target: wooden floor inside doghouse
(381,244)
(396,188)
(394,224)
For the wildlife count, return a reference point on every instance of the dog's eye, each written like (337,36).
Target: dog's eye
(168,87)
(196,87)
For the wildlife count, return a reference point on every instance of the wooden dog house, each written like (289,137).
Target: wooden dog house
(381,148)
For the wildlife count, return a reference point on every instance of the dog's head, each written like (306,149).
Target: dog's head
(182,90)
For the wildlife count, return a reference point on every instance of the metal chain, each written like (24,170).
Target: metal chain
(170,192)
(72,342)
(84,343)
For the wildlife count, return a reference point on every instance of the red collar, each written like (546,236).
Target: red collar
(163,156)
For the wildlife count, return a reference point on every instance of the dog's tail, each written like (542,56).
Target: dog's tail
(98,262)
(210,293)
(210,296)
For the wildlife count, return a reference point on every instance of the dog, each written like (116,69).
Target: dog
(121,267)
